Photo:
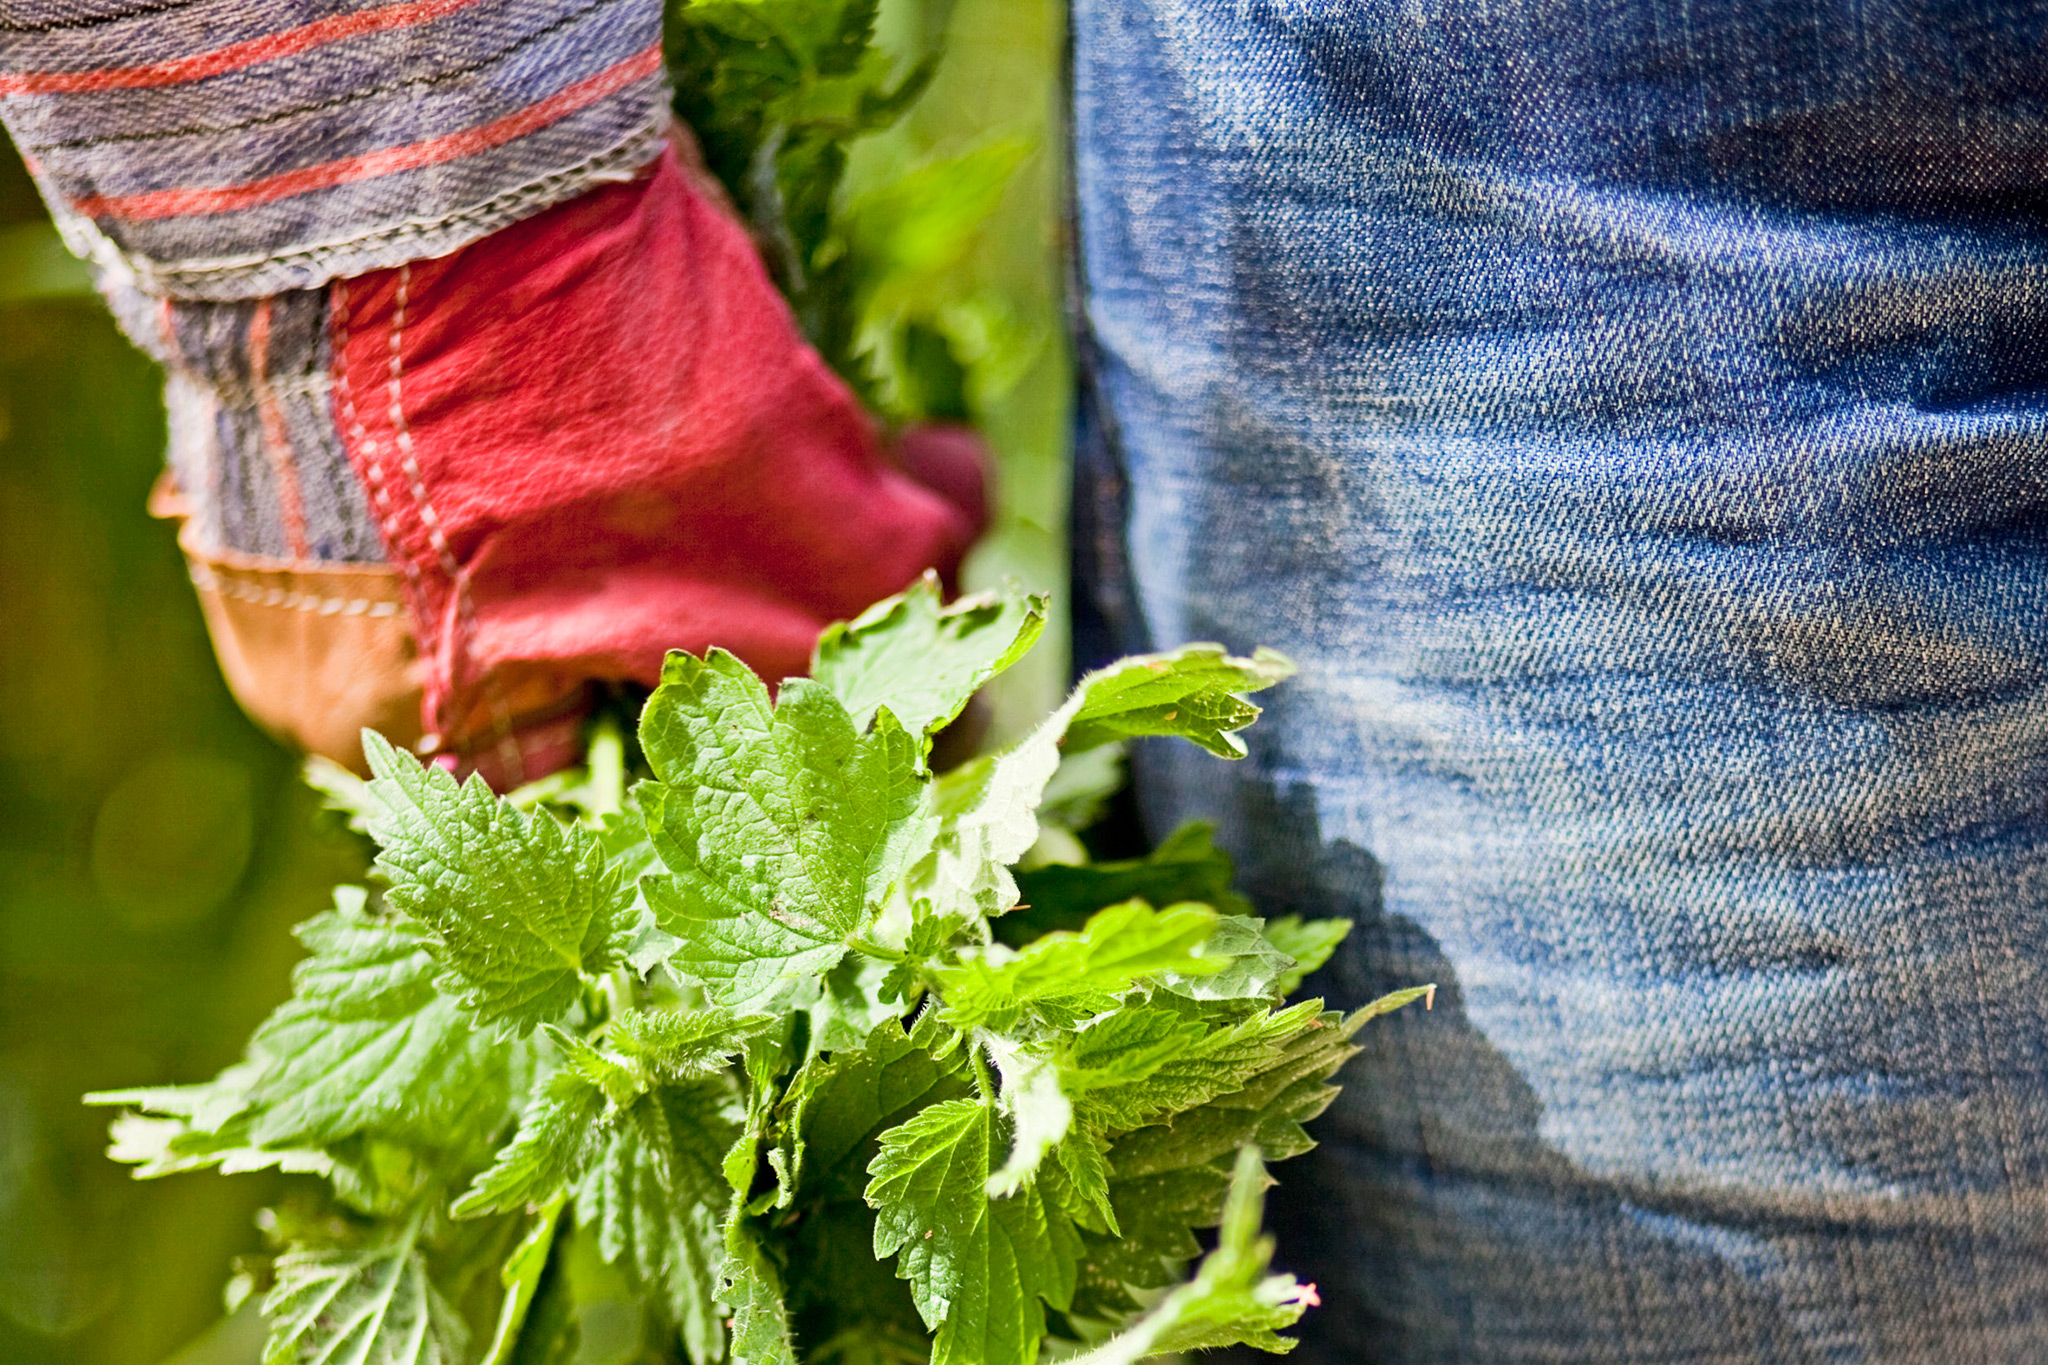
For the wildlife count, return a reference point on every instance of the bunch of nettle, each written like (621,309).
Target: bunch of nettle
(741,1061)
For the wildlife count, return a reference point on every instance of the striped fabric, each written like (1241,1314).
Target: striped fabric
(254,446)
(230,149)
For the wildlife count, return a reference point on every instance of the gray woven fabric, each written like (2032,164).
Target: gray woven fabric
(253,441)
(222,149)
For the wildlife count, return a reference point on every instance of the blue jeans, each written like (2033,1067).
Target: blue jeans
(1631,415)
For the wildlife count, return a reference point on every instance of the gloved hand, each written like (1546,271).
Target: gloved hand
(586,439)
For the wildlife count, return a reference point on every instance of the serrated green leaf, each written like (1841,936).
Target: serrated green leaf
(678,1045)
(978,1267)
(1252,967)
(1068,976)
(1142,1066)
(1194,692)
(1231,1301)
(1126,1069)
(987,809)
(1156,1216)
(1166,1180)
(166,1142)
(923,659)
(521,907)
(767,1057)
(559,1138)
(782,828)
(1268,1110)
(657,1198)
(1309,942)
(373,1306)
(195,1127)
(837,1105)
(1079,1180)
(1038,1111)
(749,1283)
(365,1047)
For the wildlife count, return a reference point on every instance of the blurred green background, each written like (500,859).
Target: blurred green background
(155,847)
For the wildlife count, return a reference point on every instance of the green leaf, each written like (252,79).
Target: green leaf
(837,1105)
(749,1283)
(783,829)
(522,907)
(1067,976)
(1038,1110)
(1126,1069)
(1142,1066)
(1153,1239)
(573,1123)
(678,1045)
(1186,866)
(978,1267)
(1269,1109)
(1251,966)
(767,1057)
(1194,692)
(197,1127)
(987,809)
(1231,1301)
(559,1139)
(372,1306)
(1309,942)
(520,1278)
(656,1197)
(1166,1178)
(365,1047)
(1079,1180)
(922,659)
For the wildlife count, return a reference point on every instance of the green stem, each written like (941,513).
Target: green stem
(619,985)
(605,787)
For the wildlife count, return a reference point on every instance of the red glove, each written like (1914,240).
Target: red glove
(590,438)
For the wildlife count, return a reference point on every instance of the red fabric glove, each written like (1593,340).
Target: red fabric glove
(597,435)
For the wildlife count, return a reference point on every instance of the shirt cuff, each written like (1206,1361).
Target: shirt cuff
(231,149)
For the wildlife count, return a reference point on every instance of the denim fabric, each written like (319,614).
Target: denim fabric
(1630,415)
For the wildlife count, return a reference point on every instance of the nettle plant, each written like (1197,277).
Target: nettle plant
(744,1061)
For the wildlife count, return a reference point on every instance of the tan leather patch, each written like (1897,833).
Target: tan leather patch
(313,652)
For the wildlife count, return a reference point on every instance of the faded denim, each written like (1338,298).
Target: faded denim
(1631,416)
